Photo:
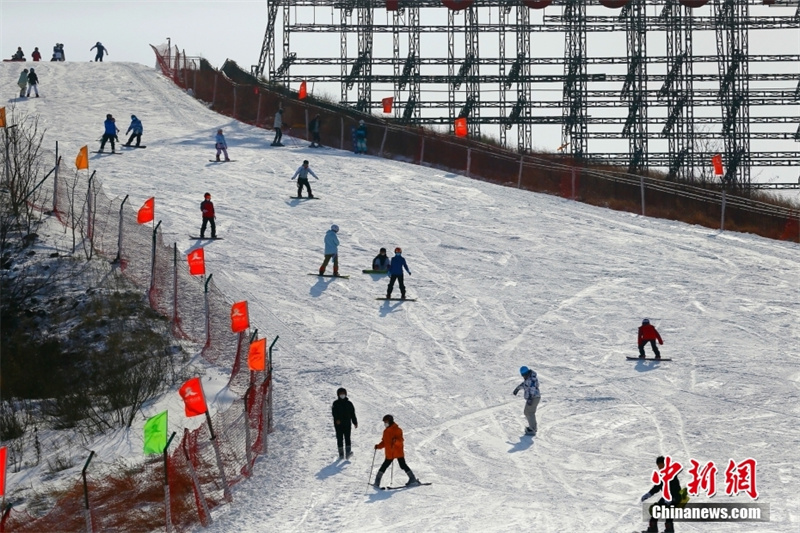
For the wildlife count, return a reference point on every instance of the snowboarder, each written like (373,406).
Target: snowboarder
(361,138)
(302,181)
(277,124)
(648,333)
(22,82)
(532,397)
(207,208)
(36,55)
(396,266)
(675,495)
(19,55)
(331,250)
(314,126)
(33,83)
(381,261)
(110,134)
(100,51)
(392,443)
(221,145)
(136,127)
(343,414)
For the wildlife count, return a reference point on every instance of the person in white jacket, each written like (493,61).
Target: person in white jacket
(302,179)
(532,397)
(278,125)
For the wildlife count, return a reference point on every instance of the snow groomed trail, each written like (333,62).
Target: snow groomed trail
(503,278)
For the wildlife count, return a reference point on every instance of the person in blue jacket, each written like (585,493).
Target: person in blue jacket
(136,127)
(221,145)
(361,138)
(396,266)
(110,134)
(100,51)
(331,250)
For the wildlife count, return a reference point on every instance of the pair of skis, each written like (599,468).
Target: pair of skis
(406,486)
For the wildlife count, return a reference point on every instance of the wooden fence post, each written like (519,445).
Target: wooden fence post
(519,175)
(641,186)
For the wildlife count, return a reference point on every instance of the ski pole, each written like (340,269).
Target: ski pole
(370,470)
(391,475)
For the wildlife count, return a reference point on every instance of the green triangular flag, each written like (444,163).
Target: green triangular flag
(155,434)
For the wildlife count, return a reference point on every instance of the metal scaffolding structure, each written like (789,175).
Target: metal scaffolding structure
(670,104)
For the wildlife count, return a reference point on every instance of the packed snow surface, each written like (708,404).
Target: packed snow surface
(503,278)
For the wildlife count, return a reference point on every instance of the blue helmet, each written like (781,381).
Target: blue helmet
(523,370)
(645,321)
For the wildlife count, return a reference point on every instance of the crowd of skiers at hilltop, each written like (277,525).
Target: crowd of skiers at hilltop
(58,53)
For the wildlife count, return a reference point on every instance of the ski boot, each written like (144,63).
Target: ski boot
(378,477)
(348,452)
(412,480)
(341,452)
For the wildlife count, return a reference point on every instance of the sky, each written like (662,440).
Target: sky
(503,278)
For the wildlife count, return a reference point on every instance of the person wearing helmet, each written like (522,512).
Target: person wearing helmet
(207,208)
(331,250)
(33,83)
(392,443)
(396,266)
(343,414)
(221,145)
(532,396)
(100,51)
(36,55)
(301,174)
(110,134)
(381,261)
(361,138)
(648,333)
(676,494)
(136,127)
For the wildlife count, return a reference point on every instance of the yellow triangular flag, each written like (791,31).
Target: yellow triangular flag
(82,161)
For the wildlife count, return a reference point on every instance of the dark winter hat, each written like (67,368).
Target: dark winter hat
(109,116)
(383,250)
(305,161)
(207,195)
(31,69)
(646,321)
(341,390)
(133,117)
(389,419)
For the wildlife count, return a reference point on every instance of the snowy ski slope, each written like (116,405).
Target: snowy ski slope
(503,278)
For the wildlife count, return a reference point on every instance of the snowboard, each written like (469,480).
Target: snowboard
(399,299)
(215,161)
(206,238)
(109,153)
(648,359)
(123,146)
(375,271)
(304,198)
(407,486)
(327,275)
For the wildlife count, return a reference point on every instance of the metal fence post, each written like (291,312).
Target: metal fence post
(208,314)
(572,197)
(119,236)
(469,160)
(341,138)
(153,263)
(383,142)
(87,511)
(519,175)
(641,186)
(722,219)
(200,497)
(248,446)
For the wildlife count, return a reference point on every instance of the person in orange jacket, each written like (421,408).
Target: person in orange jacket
(648,333)
(392,443)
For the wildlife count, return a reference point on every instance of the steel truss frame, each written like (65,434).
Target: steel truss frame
(654,101)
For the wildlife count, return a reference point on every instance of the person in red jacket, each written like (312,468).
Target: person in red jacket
(392,443)
(36,55)
(648,333)
(207,207)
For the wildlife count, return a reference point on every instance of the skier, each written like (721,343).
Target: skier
(221,145)
(648,333)
(33,83)
(343,414)
(331,250)
(392,442)
(22,82)
(110,134)
(36,55)
(532,397)
(136,126)
(314,126)
(100,51)
(277,124)
(361,138)
(675,495)
(381,261)
(302,181)
(396,266)
(207,208)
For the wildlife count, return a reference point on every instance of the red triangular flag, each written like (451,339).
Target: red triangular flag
(197,262)
(147,212)
(193,399)
(257,357)
(303,91)
(3,457)
(717,162)
(240,318)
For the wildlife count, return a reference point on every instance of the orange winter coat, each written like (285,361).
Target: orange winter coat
(393,442)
